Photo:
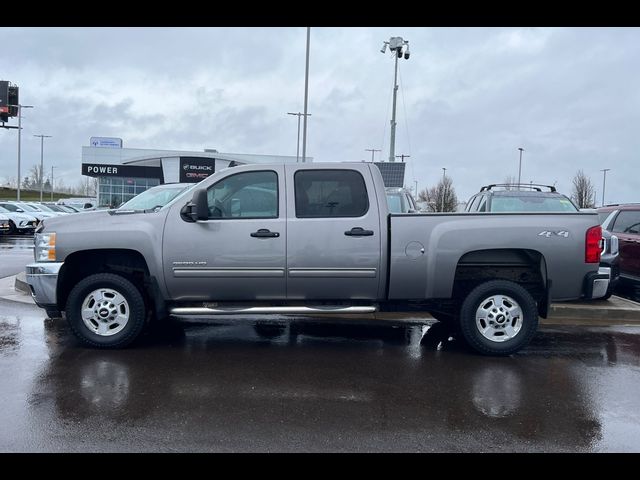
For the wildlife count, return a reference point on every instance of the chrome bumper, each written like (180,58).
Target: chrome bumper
(598,283)
(42,277)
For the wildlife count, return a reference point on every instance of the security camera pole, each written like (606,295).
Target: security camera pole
(396,44)
(42,137)
(19,107)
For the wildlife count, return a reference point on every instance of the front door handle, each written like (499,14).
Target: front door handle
(265,233)
(358,232)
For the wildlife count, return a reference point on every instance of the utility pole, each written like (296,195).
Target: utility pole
(416,182)
(520,166)
(52,167)
(298,148)
(42,137)
(306,97)
(604,182)
(373,151)
(396,45)
(403,156)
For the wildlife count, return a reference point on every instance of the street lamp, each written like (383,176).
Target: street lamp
(397,46)
(520,166)
(604,182)
(52,167)
(42,137)
(299,115)
(19,107)
(444,174)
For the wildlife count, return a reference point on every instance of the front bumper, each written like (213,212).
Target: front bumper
(42,278)
(597,283)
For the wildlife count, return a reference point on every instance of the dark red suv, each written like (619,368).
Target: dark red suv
(624,222)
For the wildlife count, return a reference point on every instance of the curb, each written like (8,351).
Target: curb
(21,283)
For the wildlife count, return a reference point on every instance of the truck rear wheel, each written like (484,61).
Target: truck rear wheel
(106,311)
(498,317)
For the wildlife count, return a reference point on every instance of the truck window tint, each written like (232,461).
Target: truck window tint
(330,193)
(245,195)
(627,222)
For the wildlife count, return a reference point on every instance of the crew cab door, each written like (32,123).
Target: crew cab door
(239,252)
(333,234)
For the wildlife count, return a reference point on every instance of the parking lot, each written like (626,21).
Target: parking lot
(316,387)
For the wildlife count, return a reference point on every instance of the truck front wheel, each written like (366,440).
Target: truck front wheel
(106,311)
(498,317)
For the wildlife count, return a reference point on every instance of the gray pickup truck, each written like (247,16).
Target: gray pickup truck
(311,238)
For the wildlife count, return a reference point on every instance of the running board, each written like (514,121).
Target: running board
(269,310)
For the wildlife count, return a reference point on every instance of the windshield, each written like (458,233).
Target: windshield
(602,216)
(395,203)
(3,210)
(10,207)
(67,208)
(46,208)
(31,208)
(152,198)
(531,203)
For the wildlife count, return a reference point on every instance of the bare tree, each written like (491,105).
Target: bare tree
(441,198)
(36,176)
(583,193)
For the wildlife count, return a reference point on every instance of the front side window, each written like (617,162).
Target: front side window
(627,221)
(330,193)
(245,195)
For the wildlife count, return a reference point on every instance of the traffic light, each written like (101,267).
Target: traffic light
(8,96)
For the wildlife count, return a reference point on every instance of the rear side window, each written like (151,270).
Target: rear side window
(330,193)
(627,221)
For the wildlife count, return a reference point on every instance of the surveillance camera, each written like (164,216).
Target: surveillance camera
(384,48)
(406,55)
(399,51)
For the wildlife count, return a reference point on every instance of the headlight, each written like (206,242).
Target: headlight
(45,244)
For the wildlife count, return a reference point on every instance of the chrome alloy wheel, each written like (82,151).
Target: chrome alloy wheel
(499,318)
(105,312)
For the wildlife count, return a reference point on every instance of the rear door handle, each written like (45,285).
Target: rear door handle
(358,232)
(265,233)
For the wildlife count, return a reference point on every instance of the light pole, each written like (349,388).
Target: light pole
(396,45)
(298,148)
(444,175)
(604,182)
(20,107)
(520,166)
(373,151)
(306,97)
(416,182)
(52,167)
(42,137)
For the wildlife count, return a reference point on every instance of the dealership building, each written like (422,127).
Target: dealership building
(123,173)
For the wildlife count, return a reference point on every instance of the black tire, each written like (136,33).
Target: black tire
(269,330)
(135,300)
(12,228)
(474,300)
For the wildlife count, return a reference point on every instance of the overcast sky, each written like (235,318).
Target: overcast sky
(469,97)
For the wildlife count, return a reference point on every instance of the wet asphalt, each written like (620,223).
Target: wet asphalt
(315,387)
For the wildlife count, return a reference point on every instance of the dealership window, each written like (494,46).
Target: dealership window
(114,191)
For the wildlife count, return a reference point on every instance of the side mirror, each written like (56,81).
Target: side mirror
(197,208)
(19,210)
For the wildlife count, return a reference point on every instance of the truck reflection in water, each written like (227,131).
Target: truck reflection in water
(397,387)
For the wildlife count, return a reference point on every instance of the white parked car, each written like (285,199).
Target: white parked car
(19,207)
(19,222)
